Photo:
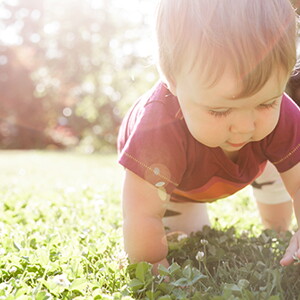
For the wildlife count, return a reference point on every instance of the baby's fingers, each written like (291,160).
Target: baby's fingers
(292,252)
(296,257)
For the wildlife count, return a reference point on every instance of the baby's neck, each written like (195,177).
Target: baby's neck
(232,155)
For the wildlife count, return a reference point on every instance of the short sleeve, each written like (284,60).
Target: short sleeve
(282,146)
(153,145)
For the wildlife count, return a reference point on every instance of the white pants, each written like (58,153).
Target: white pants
(191,217)
(268,188)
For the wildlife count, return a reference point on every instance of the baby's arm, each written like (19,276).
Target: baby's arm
(143,210)
(291,179)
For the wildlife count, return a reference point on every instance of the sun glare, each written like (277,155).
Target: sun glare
(141,12)
(135,11)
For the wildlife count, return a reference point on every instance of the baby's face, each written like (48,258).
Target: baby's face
(216,118)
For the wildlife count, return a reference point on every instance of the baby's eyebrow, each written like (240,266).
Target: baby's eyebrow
(275,97)
(228,106)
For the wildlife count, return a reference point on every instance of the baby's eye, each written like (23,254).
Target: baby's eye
(222,112)
(270,105)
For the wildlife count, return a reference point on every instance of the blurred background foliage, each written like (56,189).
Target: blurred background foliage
(70,69)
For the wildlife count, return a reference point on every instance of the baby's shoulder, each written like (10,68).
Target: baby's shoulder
(158,108)
(159,101)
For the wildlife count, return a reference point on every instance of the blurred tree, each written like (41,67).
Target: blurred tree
(82,64)
(91,54)
(22,116)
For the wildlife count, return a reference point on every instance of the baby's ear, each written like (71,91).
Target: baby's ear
(171,84)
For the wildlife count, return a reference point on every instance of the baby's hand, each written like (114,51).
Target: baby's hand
(292,252)
(163,262)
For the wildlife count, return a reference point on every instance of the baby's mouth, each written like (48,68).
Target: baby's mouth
(237,145)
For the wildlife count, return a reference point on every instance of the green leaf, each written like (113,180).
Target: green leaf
(274,298)
(187,272)
(163,271)
(136,284)
(142,270)
(197,277)
(243,283)
(79,284)
(42,256)
(53,288)
(17,246)
(223,238)
(43,296)
(174,268)
(152,295)
(182,282)
(165,288)
(212,250)
(232,288)
(165,298)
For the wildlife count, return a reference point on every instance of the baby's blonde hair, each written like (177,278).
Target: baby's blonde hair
(254,38)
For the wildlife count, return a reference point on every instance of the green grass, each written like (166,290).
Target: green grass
(61,238)
(60,215)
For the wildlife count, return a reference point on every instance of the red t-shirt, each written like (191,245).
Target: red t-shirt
(155,143)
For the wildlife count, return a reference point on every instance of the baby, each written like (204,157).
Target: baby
(213,122)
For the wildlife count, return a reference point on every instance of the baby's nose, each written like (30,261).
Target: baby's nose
(243,122)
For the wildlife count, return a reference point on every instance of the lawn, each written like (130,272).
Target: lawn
(61,238)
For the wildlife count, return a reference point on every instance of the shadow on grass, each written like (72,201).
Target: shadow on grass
(221,264)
